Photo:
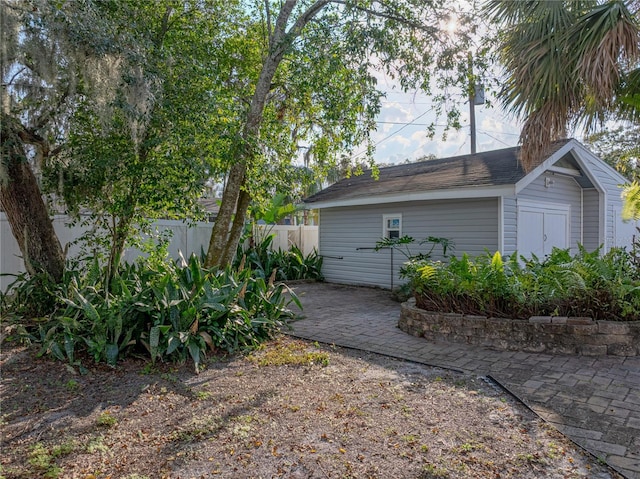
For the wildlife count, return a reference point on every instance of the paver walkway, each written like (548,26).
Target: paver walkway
(593,401)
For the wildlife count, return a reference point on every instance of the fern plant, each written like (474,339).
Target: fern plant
(585,284)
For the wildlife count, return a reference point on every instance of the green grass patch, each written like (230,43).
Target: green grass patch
(285,353)
(43,459)
(106,419)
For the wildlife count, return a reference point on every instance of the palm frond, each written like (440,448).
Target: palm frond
(631,197)
(565,61)
(604,39)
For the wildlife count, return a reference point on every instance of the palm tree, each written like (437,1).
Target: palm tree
(631,195)
(568,63)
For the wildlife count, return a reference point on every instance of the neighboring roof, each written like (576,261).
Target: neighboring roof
(487,169)
(210,205)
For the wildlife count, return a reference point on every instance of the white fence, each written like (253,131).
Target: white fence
(304,237)
(186,239)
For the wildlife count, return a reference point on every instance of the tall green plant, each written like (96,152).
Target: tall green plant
(585,284)
(170,311)
(288,265)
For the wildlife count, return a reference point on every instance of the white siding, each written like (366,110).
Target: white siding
(562,191)
(348,234)
(616,232)
(591,231)
(510,222)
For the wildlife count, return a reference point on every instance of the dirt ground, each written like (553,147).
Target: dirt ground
(291,410)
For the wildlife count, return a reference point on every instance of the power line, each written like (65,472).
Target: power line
(410,123)
(393,134)
(392,102)
(486,132)
(498,140)
(460,148)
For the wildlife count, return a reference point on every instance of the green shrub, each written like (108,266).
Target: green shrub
(173,312)
(288,265)
(28,296)
(587,284)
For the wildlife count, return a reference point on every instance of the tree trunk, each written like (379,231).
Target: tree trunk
(120,229)
(224,241)
(220,233)
(236,228)
(26,211)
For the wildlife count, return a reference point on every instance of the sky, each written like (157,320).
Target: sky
(403,121)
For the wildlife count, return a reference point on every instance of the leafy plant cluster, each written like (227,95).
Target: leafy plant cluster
(402,245)
(285,265)
(585,285)
(159,308)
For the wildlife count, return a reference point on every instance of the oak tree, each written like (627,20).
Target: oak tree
(310,79)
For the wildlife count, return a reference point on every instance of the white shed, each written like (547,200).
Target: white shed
(483,201)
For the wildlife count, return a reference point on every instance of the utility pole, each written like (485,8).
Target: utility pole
(472,120)
(476,97)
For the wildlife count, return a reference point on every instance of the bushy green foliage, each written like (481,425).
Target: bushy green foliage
(288,265)
(30,295)
(587,284)
(170,311)
(402,245)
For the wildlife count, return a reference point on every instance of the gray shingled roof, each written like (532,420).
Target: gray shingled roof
(490,168)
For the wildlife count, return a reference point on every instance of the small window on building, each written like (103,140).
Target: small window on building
(391,226)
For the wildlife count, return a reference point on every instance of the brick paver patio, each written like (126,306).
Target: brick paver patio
(595,401)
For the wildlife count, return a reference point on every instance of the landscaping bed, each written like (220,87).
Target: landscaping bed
(550,334)
(584,285)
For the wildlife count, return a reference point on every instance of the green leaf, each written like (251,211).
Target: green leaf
(194,351)
(154,341)
(111,353)
(90,312)
(69,346)
(56,351)
(172,344)
(215,306)
(496,262)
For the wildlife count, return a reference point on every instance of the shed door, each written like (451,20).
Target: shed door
(541,228)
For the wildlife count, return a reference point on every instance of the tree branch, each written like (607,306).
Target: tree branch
(306,17)
(14,77)
(164,28)
(44,118)
(269,27)
(389,16)
(279,31)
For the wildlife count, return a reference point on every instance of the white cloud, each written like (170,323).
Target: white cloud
(402,127)
(406,141)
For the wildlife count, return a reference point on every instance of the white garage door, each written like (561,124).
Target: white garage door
(541,227)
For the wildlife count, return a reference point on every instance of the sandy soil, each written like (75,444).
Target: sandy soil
(291,410)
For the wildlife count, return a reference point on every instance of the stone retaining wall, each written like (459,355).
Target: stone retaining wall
(537,334)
